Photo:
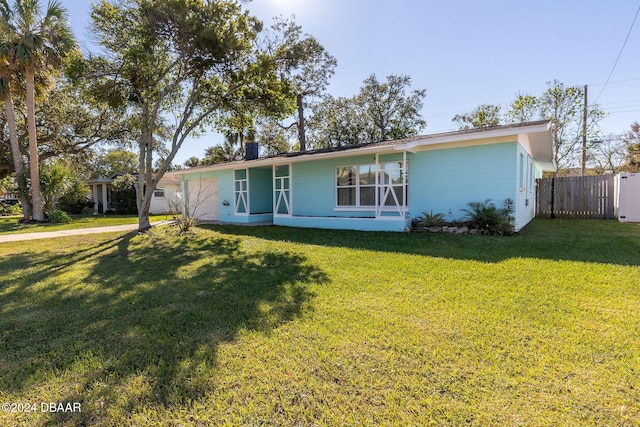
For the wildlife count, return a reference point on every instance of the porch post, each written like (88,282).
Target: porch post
(404,184)
(104,197)
(377,202)
(273,175)
(94,191)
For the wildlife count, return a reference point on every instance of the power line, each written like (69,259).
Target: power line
(616,81)
(619,55)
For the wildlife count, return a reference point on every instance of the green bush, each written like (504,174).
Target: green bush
(9,209)
(488,218)
(429,219)
(58,217)
(124,195)
(76,206)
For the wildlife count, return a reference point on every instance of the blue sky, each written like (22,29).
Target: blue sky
(465,53)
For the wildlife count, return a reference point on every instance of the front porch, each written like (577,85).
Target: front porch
(368,196)
(101,194)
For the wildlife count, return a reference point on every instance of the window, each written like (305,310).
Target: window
(356,185)
(521,170)
(159,193)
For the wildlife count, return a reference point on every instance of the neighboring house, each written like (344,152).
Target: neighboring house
(166,198)
(380,186)
(101,193)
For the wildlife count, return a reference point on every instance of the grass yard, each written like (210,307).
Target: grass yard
(9,224)
(277,326)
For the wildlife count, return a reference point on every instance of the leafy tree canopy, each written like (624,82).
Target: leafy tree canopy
(482,116)
(632,142)
(190,60)
(380,111)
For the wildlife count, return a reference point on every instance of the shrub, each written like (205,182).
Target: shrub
(62,187)
(488,218)
(185,224)
(76,205)
(58,217)
(124,195)
(429,219)
(10,208)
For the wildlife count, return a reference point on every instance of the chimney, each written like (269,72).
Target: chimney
(251,150)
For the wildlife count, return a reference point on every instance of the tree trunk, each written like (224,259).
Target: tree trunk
(34,164)
(145,186)
(143,217)
(17,157)
(301,130)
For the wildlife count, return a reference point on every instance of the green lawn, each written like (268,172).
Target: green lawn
(9,224)
(277,326)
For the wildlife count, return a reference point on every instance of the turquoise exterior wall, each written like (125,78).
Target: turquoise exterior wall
(260,190)
(260,195)
(440,180)
(362,224)
(446,180)
(314,186)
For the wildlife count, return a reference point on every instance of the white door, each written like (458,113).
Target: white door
(629,202)
(203,199)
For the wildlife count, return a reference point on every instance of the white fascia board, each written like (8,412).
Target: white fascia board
(276,161)
(473,136)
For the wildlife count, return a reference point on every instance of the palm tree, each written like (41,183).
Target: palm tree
(37,43)
(6,75)
(225,152)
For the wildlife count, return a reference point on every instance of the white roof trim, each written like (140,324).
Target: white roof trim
(490,133)
(543,155)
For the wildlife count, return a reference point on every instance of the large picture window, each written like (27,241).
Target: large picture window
(356,185)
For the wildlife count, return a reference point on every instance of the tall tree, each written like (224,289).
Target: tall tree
(111,162)
(69,126)
(632,142)
(338,122)
(304,65)
(380,111)
(188,60)
(228,151)
(607,156)
(394,112)
(564,106)
(7,74)
(272,137)
(39,42)
(192,162)
(525,108)
(482,116)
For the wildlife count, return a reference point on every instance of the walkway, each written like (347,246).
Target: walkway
(74,232)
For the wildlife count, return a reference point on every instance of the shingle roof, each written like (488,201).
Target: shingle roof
(390,143)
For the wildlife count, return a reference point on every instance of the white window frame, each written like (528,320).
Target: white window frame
(241,195)
(381,189)
(357,186)
(282,191)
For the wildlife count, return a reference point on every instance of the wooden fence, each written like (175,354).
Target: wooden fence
(576,197)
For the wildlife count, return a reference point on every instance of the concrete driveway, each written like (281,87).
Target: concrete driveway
(74,232)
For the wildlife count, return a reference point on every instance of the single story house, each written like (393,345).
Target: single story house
(167,198)
(378,186)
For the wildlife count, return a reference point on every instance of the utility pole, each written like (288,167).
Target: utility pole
(584,134)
